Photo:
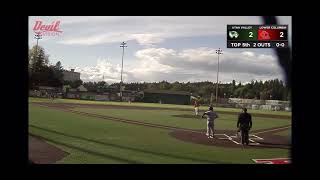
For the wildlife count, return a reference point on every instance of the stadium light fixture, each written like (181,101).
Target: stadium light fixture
(218,51)
(123,45)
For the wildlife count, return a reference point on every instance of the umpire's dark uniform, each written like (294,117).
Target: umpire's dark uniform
(245,123)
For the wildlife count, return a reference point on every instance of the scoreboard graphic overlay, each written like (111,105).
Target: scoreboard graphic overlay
(257,36)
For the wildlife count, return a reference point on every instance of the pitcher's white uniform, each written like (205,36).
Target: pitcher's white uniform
(211,116)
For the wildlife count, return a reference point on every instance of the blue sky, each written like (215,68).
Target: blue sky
(159,48)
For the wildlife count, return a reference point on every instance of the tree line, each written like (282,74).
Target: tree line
(270,89)
(42,73)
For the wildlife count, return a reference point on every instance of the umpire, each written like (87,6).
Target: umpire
(244,124)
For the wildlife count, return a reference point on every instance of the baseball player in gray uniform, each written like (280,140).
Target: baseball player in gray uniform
(211,116)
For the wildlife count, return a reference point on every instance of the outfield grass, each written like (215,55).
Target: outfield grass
(91,140)
(139,104)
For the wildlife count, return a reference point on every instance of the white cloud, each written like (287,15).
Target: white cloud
(194,64)
(147,38)
(69,20)
(111,72)
(147,30)
(248,53)
(150,61)
(201,64)
(95,39)
(144,39)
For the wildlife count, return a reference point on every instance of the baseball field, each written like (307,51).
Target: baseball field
(66,131)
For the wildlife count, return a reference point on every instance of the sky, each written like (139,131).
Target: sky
(170,48)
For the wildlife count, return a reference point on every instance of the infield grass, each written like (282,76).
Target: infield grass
(93,140)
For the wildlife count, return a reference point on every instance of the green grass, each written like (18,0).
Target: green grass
(139,104)
(92,140)
(165,117)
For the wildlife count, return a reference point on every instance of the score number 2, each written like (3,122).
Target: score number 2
(281,34)
(250,35)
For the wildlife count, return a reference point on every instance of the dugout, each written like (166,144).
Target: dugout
(166,97)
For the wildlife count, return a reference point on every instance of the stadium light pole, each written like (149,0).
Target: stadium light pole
(218,51)
(37,36)
(123,45)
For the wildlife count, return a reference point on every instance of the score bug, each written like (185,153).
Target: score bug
(257,36)
(263,45)
(280,45)
(235,44)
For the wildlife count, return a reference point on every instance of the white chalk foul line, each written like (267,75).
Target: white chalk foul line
(273,130)
(256,137)
(231,139)
(250,139)
(253,142)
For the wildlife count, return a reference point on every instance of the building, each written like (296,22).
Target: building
(275,105)
(166,97)
(71,75)
(128,95)
(82,92)
(81,88)
(45,91)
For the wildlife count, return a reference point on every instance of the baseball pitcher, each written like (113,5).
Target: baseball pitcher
(196,107)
